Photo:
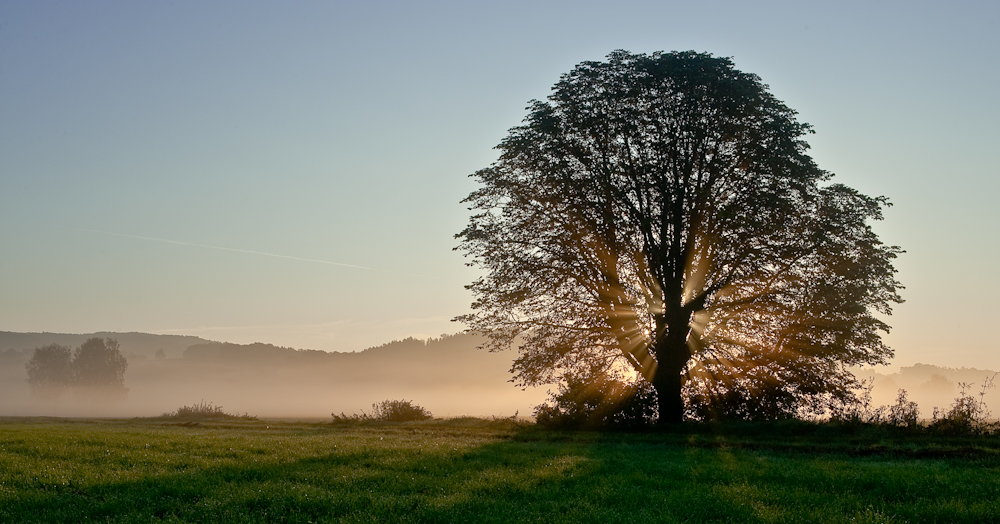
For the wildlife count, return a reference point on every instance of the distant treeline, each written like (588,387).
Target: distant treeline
(255,351)
(401,349)
(21,345)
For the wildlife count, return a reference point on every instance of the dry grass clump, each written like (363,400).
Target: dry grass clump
(205,410)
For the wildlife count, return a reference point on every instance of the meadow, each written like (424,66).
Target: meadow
(476,470)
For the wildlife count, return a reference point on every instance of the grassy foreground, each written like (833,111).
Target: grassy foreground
(469,470)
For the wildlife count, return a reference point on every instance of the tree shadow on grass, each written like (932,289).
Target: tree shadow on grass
(529,476)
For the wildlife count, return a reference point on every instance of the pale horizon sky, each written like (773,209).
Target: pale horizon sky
(291,173)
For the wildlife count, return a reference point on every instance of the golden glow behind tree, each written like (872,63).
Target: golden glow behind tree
(660,211)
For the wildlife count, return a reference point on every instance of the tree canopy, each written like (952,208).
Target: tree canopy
(660,213)
(99,362)
(50,368)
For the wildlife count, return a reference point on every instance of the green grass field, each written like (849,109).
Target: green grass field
(468,470)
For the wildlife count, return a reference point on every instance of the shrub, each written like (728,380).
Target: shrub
(598,401)
(967,415)
(755,391)
(386,411)
(905,413)
(761,402)
(857,409)
(398,411)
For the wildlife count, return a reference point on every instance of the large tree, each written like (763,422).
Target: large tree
(660,212)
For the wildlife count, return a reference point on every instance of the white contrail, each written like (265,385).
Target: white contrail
(224,248)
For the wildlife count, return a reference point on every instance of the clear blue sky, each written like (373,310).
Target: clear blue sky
(139,138)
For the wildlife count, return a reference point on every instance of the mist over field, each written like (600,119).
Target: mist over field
(932,386)
(448,376)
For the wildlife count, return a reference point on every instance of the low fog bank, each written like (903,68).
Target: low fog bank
(932,386)
(448,376)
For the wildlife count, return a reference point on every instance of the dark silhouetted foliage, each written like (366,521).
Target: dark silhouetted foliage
(767,402)
(858,410)
(598,402)
(764,394)
(904,413)
(967,415)
(660,213)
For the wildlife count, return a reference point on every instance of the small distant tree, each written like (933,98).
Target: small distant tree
(97,366)
(50,370)
(160,355)
(905,413)
(99,363)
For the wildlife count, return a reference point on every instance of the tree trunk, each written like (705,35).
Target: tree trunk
(672,354)
(670,403)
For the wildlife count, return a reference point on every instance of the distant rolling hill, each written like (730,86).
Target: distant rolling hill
(130,343)
(932,386)
(449,376)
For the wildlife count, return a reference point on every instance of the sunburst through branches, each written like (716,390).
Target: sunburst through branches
(659,213)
